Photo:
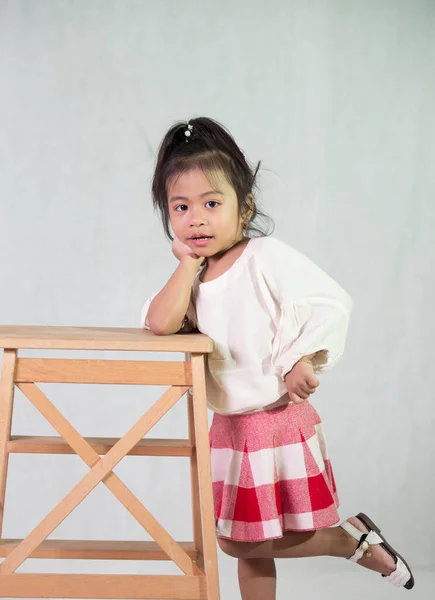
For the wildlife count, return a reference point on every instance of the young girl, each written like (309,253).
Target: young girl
(276,320)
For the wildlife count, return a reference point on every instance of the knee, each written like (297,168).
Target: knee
(233,548)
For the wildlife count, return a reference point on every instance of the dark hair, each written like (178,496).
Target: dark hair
(211,148)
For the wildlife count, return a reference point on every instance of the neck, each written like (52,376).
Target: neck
(216,258)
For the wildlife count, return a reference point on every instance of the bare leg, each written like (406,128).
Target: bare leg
(257,578)
(293,544)
(334,541)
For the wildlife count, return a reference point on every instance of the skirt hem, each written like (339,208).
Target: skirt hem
(277,537)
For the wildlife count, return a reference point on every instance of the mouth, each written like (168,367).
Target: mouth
(200,240)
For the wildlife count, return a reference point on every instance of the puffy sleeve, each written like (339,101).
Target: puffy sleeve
(313,310)
(189,324)
(144,313)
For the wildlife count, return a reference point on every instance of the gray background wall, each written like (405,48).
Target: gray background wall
(336,98)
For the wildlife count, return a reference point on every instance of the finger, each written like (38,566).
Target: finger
(312,381)
(306,389)
(295,398)
(300,392)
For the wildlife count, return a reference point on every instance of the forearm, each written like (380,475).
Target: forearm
(168,308)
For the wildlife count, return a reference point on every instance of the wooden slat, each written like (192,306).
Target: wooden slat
(126,372)
(26,585)
(57,445)
(100,338)
(100,470)
(111,481)
(97,549)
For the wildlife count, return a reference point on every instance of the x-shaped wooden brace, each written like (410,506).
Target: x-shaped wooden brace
(101,470)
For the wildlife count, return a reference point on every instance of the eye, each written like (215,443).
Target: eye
(213,202)
(180,206)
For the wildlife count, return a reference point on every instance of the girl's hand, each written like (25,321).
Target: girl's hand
(181,250)
(301,382)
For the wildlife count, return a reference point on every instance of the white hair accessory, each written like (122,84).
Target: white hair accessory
(188,131)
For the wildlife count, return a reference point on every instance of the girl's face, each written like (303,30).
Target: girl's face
(204,214)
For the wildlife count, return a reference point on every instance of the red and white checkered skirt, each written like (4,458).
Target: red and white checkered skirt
(271,473)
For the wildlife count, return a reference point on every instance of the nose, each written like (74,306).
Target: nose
(197,217)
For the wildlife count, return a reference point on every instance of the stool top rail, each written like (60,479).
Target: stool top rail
(100,338)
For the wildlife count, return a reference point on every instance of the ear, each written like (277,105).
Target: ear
(249,210)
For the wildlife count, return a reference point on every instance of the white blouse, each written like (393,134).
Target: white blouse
(270,308)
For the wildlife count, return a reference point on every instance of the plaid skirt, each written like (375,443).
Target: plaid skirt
(271,473)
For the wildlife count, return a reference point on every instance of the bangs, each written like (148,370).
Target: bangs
(211,163)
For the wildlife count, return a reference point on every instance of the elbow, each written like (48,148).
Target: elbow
(161,328)
(162,331)
(157,331)
(157,328)
(347,303)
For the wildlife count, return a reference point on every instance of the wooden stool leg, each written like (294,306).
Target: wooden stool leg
(204,477)
(194,486)
(6,406)
(196,506)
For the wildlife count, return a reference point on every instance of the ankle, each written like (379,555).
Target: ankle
(343,543)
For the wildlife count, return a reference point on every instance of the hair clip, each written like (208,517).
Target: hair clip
(188,131)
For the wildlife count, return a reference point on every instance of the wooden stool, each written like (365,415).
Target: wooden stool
(197,559)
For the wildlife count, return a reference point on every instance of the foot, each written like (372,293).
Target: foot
(375,557)
(370,549)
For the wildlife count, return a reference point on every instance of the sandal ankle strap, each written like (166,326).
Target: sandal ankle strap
(365,540)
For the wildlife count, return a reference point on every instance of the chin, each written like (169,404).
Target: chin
(202,251)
